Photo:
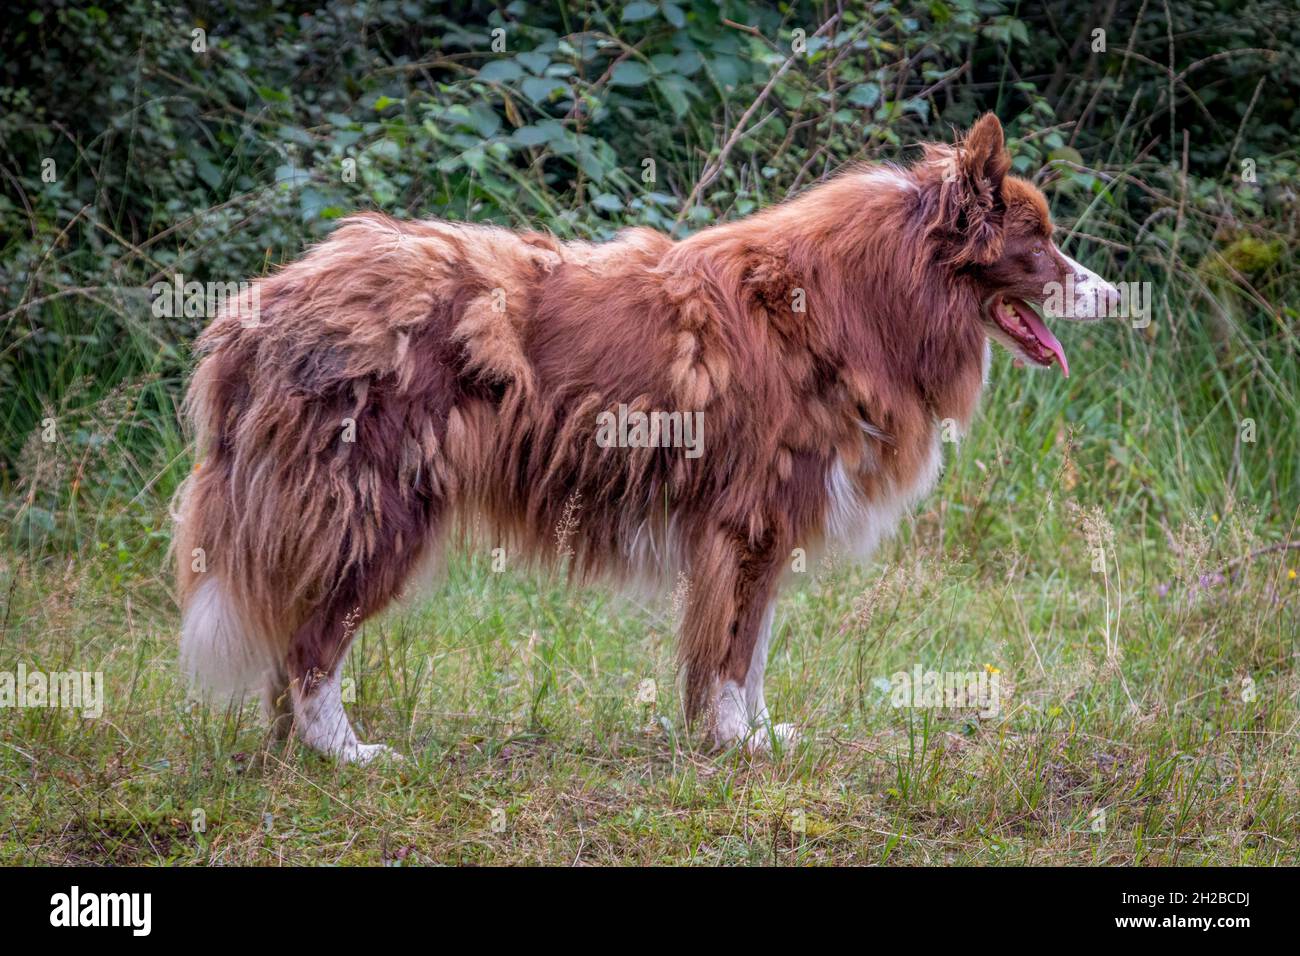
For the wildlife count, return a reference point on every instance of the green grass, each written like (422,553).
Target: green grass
(1145,720)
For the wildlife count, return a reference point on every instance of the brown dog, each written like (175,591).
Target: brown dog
(405,378)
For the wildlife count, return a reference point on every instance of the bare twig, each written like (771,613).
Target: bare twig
(712,169)
(1260,552)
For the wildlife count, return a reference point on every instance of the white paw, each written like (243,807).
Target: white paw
(764,735)
(760,739)
(364,753)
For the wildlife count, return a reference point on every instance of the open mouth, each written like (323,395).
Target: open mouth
(1032,339)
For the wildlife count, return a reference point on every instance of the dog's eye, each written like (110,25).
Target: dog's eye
(1038,250)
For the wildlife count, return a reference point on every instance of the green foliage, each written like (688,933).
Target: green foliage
(148,139)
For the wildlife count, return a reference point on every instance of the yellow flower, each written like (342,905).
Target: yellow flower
(993,670)
(1291,574)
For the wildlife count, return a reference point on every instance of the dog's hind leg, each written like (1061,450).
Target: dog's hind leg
(322,724)
(320,645)
(394,546)
(315,667)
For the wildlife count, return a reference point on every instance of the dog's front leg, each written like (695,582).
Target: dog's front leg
(764,732)
(740,707)
(725,638)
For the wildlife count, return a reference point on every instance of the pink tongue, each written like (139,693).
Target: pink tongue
(1043,334)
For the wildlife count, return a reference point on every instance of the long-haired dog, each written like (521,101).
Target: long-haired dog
(407,379)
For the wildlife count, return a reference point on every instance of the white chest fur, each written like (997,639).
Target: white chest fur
(858,523)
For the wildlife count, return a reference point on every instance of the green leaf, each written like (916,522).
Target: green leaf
(629,73)
(534,62)
(500,71)
(639,11)
(1068,156)
(292,134)
(919,106)
(591,166)
(671,88)
(209,173)
(687,63)
(556,134)
(384,149)
(310,203)
(866,95)
(727,70)
(484,119)
(539,89)
(529,136)
(291,176)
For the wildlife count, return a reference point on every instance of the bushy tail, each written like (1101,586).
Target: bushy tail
(220,652)
(217,652)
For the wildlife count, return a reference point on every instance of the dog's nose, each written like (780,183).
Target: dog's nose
(1107,296)
(1094,297)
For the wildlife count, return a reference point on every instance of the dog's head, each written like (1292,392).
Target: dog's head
(995,229)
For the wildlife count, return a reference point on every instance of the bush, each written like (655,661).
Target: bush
(215,140)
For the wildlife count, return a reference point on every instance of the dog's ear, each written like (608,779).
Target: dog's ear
(969,210)
(983,155)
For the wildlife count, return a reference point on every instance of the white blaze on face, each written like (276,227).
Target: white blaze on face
(1087,295)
